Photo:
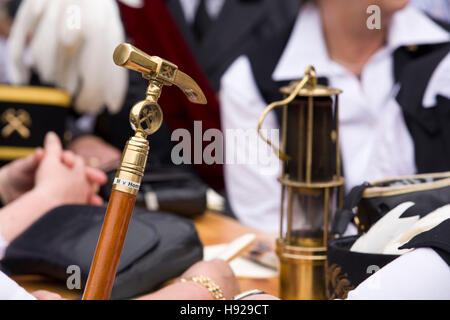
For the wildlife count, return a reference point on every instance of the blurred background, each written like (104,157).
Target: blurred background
(57,55)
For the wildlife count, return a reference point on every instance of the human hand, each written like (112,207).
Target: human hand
(46,295)
(63,178)
(95,176)
(17,177)
(96,152)
(218,271)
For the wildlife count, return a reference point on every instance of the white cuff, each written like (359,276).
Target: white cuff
(10,290)
(3,245)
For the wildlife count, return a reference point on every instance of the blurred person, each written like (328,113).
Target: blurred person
(32,186)
(218,31)
(396,94)
(216,272)
(202,37)
(49,178)
(77,58)
(236,26)
(438,9)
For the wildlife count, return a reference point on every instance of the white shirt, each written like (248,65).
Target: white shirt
(3,78)
(417,275)
(375,142)
(10,290)
(439,9)
(3,246)
(213,7)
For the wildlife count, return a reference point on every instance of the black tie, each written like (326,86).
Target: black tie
(202,22)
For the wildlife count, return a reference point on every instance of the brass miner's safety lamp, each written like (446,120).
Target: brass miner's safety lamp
(145,118)
(311,181)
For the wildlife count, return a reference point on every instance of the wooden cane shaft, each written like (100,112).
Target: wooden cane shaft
(109,246)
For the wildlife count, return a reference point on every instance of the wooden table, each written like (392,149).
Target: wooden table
(212,229)
(215,229)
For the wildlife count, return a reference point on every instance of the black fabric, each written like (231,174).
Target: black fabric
(13,7)
(181,192)
(34,116)
(202,22)
(413,68)
(343,217)
(347,269)
(158,247)
(264,59)
(437,238)
(43,118)
(371,209)
(428,126)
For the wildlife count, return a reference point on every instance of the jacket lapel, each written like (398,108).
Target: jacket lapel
(407,65)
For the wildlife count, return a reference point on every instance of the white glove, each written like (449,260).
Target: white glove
(70,44)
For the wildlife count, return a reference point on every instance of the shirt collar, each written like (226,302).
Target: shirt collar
(190,7)
(306,45)
(411,26)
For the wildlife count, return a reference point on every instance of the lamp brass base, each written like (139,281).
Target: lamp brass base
(302,271)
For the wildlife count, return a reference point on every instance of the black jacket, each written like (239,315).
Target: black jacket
(240,26)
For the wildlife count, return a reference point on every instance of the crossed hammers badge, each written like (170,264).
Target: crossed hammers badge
(18,121)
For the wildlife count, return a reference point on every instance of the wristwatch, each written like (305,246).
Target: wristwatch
(248,294)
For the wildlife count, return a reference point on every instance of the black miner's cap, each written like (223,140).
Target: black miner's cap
(27,113)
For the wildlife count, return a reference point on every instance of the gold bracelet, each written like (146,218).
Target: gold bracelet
(206,282)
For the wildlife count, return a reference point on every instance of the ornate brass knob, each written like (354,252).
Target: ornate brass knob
(146,117)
